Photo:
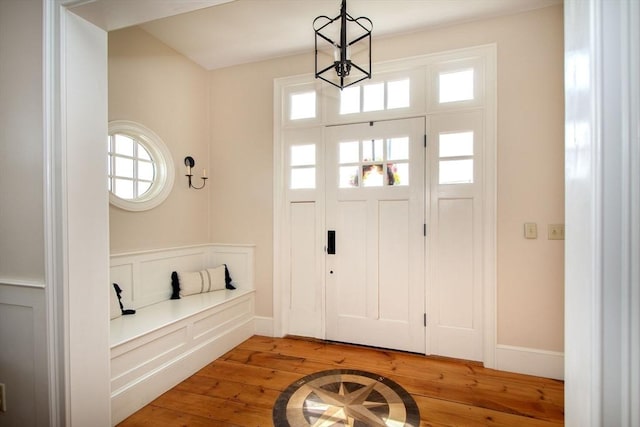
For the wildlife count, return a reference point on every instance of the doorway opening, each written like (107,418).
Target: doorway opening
(385,208)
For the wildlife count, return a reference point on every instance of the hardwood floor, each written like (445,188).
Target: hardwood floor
(240,388)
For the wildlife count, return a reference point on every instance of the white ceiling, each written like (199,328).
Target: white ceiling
(221,33)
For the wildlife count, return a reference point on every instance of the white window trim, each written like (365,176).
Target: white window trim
(164,168)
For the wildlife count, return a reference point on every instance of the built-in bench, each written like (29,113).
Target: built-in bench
(166,340)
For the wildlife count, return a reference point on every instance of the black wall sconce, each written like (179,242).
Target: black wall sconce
(190,163)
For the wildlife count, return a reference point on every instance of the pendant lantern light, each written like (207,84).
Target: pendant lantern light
(343,48)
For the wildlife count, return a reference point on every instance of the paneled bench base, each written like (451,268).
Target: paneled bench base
(166,341)
(146,366)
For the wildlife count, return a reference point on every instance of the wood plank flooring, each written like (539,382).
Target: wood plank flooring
(240,388)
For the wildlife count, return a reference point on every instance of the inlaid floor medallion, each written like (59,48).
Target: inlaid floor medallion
(343,397)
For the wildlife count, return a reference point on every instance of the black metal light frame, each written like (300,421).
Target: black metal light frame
(344,65)
(189,162)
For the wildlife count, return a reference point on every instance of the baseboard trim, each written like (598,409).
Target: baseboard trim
(264,326)
(530,361)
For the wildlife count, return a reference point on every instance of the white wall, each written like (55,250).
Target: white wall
(21,134)
(81,209)
(85,220)
(530,162)
(23,362)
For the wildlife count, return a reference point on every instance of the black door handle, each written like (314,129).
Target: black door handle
(331,242)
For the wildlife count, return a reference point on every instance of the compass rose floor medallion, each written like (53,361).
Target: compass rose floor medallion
(343,397)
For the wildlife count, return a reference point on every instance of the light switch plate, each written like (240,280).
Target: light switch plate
(530,230)
(556,232)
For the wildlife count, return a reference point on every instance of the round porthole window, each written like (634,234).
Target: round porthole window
(140,170)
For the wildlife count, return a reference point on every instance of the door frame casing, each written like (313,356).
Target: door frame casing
(486,53)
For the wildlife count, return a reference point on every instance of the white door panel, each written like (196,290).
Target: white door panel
(305,295)
(303,285)
(375,280)
(455,243)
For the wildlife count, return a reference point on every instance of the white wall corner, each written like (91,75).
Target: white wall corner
(83,82)
(530,361)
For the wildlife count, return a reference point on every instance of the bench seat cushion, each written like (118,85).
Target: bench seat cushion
(156,316)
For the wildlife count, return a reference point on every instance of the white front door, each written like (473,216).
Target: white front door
(375,210)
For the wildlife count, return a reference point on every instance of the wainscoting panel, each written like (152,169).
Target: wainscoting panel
(239,260)
(145,277)
(23,363)
(209,325)
(128,362)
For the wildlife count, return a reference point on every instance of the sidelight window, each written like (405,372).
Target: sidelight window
(456,157)
(303,166)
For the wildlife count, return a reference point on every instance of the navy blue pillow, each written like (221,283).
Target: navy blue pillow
(118,292)
(227,278)
(175,286)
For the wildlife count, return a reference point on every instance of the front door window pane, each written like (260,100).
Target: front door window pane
(349,152)
(398,173)
(349,176)
(373,176)
(372,150)
(398,148)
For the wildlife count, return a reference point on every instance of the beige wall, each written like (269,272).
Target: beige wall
(21,142)
(239,112)
(530,161)
(151,84)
